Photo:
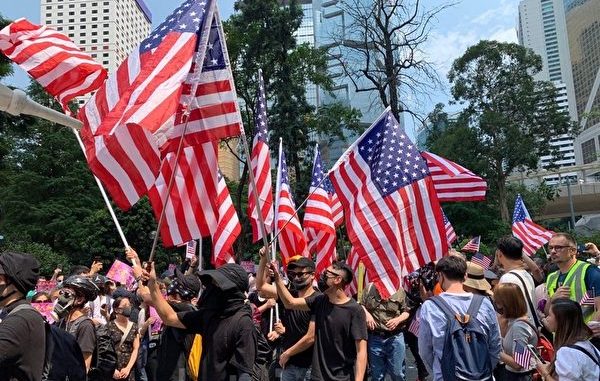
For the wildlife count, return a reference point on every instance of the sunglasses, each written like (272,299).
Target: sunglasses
(333,275)
(294,274)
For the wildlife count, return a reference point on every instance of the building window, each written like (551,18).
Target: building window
(94,41)
(71,27)
(588,150)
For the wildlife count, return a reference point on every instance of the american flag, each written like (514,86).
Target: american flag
(318,216)
(353,261)
(136,118)
(588,298)
(228,226)
(190,249)
(531,234)
(453,182)
(52,59)
(473,245)
(450,233)
(414,325)
(191,209)
(290,235)
(481,260)
(522,355)
(393,216)
(261,167)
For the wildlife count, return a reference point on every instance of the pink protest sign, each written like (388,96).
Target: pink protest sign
(45,309)
(248,266)
(45,286)
(155,327)
(122,273)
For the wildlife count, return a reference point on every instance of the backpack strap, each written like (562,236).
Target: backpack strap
(444,307)
(21,307)
(475,305)
(528,298)
(582,349)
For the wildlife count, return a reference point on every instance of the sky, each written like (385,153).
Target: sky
(454,30)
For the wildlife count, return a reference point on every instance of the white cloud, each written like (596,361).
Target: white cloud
(506,10)
(505,35)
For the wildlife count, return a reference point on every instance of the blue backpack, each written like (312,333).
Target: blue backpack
(466,350)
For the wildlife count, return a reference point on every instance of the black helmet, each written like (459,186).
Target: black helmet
(82,285)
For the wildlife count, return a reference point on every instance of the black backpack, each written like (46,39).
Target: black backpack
(466,350)
(104,359)
(63,360)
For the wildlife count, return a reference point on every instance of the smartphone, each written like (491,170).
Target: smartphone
(581,249)
(97,259)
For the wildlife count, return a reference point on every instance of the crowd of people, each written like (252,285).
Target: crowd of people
(519,319)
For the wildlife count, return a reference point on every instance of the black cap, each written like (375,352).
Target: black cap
(190,281)
(22,269)
(302,262)
(228,277)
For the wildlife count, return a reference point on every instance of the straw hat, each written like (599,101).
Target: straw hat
(476,278)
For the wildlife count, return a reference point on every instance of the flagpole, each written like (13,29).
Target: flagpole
(103,192)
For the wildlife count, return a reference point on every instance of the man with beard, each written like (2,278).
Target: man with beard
(22,332)
(298,326)
(223,318)
(340,352)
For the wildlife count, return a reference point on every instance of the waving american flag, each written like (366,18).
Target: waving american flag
(531,234)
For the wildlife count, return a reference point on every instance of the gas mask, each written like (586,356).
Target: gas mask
(63,304)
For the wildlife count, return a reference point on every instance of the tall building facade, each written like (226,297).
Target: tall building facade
(106,29)
(542,28)
(583,26)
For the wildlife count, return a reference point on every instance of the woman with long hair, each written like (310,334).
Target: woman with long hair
(576,358)
(512,314)
(126,339)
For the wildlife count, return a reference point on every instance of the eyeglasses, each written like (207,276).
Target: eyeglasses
(293,274)
(333,275)
(559,247)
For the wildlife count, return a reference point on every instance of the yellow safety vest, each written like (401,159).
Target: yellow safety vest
(575,280)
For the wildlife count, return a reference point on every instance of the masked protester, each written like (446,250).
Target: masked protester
(22,332)
(297,328)
(125,337)
(223,318)
(71,313)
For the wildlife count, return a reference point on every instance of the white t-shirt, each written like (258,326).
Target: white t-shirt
(574,365)
(95,305)
(529,283)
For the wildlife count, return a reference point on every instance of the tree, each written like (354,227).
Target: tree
(509,118)
(380,49)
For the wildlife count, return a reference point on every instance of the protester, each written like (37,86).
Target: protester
(101,307)
(298,326)
(385,319)
(71,309)
(509,254)
(223,319)
(340,351)
(22,332)
(125,337)
(40,297)
(512,313)
(576,358)
(434,322)
(574,278)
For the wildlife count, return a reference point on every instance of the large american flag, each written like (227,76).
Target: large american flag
(531,234)
(393,216)
(52,59)
(137,117)
(473,245)
(290,235)
(191,209)
(319,226)
(261,167)
(228,225)
(453,182)
(450,233)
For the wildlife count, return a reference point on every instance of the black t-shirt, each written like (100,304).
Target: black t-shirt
(338,326)
(228,343)
(296,324)
(22,344)
(171,353)
(83,330)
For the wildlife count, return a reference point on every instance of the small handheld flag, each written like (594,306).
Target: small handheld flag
(472,245)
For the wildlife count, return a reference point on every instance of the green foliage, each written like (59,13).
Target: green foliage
(5,63)
(48,258)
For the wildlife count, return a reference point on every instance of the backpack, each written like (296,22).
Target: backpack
(104,359)
(63,360)
(466,349)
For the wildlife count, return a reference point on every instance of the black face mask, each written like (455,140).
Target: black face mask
(301,283)
(322,283)
(126,311)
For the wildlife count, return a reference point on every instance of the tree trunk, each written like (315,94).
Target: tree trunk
(502,199)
